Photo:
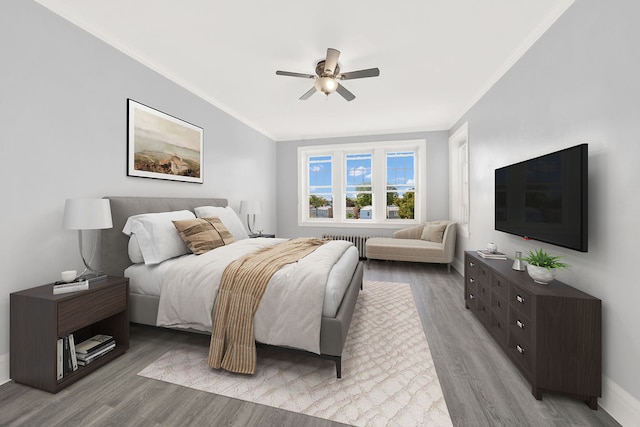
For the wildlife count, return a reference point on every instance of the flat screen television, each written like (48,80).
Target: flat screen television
(545,198)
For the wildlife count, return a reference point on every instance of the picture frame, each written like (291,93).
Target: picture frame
(162,146)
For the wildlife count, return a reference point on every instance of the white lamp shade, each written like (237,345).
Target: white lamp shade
(250,207)
(87,214)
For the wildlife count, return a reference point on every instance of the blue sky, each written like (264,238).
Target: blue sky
(400,172)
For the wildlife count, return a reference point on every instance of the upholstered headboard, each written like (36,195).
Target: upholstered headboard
(115,256)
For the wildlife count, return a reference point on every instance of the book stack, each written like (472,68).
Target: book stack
(491,255)
(67,361)
(63,288)
(93,348)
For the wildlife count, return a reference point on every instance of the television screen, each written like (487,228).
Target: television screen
(545,198)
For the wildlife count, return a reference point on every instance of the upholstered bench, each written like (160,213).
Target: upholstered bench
(432,242)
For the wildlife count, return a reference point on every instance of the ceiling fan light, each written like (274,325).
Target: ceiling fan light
(326,85)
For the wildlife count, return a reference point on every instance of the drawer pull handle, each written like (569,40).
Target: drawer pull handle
(520,299)
(471,296)
(471,264)
(499,304)
(520,324)
(520,349)
(472,280)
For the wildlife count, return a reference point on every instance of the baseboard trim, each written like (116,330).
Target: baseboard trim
(619,403)
(4,368)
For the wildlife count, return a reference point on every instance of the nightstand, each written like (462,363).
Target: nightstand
(39,318)
(270,236)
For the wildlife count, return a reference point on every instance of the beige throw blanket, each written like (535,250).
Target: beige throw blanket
(243,283)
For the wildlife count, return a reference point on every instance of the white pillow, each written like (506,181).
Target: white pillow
(135,253)
(228,217)
(157,236)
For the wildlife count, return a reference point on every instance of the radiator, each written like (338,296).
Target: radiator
(358,241)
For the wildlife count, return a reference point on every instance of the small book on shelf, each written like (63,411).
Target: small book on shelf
(60,358)
(491,255)
(85,359)
(72,350)
(94,343)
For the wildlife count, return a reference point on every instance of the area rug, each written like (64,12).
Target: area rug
(388,376)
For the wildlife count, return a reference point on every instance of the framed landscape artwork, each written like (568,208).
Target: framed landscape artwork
(162,146)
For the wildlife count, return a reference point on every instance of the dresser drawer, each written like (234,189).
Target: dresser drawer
(90,307)
(499,328)
(499,306)
(483,311)
(520,300)
(484,292)
(520,326)
(500,285)
(520,353)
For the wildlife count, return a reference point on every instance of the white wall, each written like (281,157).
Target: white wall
(437,190)
(579,83)
(63,134)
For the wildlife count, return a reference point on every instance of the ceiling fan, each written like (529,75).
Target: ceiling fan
(328,76)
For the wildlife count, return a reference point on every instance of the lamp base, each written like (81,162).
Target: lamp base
(93,277)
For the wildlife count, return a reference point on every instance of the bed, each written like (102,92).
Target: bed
(144,305)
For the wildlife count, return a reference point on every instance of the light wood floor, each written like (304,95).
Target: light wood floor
(480,385)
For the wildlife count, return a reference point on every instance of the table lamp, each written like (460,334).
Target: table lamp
(250,207)
(88,216)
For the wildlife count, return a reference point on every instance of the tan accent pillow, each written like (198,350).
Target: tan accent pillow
(203,234)
(433,233)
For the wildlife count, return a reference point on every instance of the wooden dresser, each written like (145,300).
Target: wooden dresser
(552,333)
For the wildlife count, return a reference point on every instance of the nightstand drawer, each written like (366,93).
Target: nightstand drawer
(90,307)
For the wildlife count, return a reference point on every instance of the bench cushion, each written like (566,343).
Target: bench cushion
(417,250)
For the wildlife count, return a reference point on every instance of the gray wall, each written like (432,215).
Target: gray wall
(63,135)
(579,83)
(287,181)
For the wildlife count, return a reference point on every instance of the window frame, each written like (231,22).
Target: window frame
(379,149)
(459,185)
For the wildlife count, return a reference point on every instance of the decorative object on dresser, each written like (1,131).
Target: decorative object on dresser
(542,266)
(88,216)
(162,146)
(251,207)
(517,262)
(42,322)
(552,334)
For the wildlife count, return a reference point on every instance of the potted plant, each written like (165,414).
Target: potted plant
(542,266)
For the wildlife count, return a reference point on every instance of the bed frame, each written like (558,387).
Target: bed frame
(144,308)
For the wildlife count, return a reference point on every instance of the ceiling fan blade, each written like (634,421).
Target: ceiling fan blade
(360,74)
(290,74)
(308,94)
(332,61)
(345,93)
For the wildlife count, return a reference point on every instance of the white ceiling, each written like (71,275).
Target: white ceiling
(436,57)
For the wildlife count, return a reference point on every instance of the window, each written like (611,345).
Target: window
(459,179)
(362,184)
(359,194)
(400,185)
(320,189)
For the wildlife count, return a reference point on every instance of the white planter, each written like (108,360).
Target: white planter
(541,274)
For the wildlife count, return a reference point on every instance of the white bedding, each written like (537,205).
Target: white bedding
(294,296)
(147,279)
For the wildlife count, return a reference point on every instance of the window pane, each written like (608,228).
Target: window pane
(359,199)
(320,189)
(400,184)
